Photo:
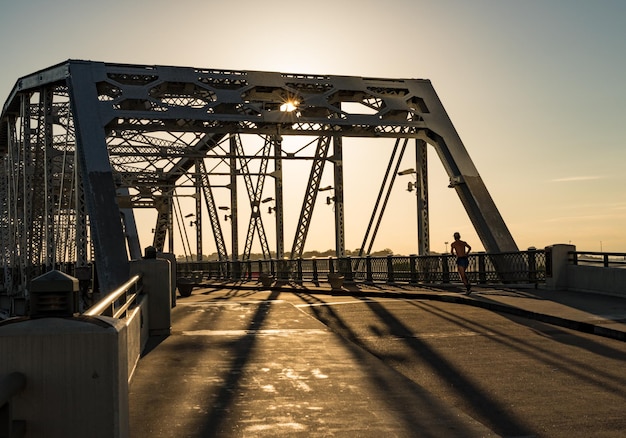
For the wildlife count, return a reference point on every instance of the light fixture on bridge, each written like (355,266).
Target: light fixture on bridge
(189,215)
(455,181)
(223,207)
(267,200)
(329,199)
(406,172)
(289,106)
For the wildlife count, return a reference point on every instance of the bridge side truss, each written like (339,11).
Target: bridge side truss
(86,145)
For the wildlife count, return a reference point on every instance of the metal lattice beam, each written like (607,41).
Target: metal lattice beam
(131,135)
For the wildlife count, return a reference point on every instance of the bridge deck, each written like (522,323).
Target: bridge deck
(246,362)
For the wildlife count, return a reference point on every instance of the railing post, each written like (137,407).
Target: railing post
(348,269)
(390,276)
(482,270)
(532,265)
(413,267)
(331,265)
(368,270)
(606,260)
(299,269)
(315,276)
(445,269)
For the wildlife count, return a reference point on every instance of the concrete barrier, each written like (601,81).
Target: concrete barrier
(77,370)
(597,279)
(79,367)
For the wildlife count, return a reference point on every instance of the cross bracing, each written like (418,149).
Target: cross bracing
(86,144)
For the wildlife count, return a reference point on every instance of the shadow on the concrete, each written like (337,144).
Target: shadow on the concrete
(358,349)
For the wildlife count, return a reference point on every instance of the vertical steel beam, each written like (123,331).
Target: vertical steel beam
(278,195)
(82,254)
(198,199)
(421,166)
(233,198)
(340,240)
(48,150)
(100,194)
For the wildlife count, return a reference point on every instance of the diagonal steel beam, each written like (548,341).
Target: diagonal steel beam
(213,214)
(306,213)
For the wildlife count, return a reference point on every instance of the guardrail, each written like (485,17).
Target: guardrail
(509,268)
(606,259)
(117,303)
(11,385)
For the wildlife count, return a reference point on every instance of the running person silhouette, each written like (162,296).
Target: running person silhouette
(461,250)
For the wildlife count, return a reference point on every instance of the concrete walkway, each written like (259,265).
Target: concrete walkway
(241,363)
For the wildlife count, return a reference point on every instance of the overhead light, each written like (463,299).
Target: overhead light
(323,189)
(267,200)
(289,106)
(406,171)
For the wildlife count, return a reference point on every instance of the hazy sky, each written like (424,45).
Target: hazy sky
(534,88)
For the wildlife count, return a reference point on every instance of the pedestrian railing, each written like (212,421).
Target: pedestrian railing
(119,301)
(606,259)
(513,267)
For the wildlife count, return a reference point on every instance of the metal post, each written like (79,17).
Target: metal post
(421,164)
(198,187)
(278,195)
(233,198)
(340,244)
(413,267)
(390,277)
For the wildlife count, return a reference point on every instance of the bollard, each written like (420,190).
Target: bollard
(157,284)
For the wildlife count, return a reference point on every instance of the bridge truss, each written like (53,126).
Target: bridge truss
(87,144)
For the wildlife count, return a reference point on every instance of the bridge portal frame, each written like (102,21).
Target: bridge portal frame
(133,134)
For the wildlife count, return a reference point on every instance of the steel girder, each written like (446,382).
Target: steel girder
(141,129)
(313,186)
(421,191)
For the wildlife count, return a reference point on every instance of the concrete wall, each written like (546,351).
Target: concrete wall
(78,368)
(597,279)
(76,375)
(138,333)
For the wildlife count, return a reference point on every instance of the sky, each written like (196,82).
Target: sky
(534,88)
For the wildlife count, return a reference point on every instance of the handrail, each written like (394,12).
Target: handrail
(508,268)
(606,259)
(10,386)
(106,306)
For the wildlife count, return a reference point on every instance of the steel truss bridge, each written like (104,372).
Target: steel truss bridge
(85,144)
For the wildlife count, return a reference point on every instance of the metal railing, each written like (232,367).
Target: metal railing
(606,259)
(117,303)
(508,268)
(11,385)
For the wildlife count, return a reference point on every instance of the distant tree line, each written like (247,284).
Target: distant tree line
(306,255)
